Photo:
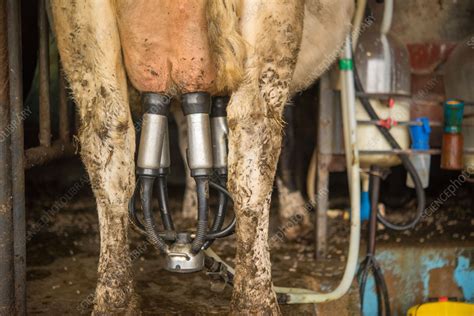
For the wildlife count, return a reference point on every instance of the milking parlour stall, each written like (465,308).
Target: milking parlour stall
(242,157)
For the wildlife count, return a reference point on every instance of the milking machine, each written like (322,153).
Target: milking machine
(382,81)
(207,160)
(381,88)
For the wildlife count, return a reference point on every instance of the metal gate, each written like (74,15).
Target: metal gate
(14,159)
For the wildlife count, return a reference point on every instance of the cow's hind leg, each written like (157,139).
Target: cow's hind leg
(273,31)
(90,52)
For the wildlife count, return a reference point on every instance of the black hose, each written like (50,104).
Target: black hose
(229,229)
(132,214)
(221,211)
(146,193)
(370,262)
(420,192)
(163,202)
(382,291)
(202,190)
(225,232)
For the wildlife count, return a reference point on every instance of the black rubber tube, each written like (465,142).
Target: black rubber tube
(362,275)
(221,211)
(163,202)
(382,290)
(370,262)
(229,229)
(132,214)
(146,193)
(420,192)
(202,190)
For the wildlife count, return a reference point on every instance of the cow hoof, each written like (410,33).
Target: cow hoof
(297,230)
(116,302)
(131,309)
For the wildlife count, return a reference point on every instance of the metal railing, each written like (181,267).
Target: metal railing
(14,159)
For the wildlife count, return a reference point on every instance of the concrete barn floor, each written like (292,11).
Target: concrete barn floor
(63,252)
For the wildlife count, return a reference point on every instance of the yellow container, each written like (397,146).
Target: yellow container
(442,309)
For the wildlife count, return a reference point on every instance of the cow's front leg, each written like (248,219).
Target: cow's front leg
(89,46)
(293,209)
(255,122)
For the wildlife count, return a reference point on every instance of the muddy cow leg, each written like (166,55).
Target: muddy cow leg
(273,31)
(90,52)
(189,208)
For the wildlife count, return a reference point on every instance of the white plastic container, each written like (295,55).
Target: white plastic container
(422,164)
(370,138)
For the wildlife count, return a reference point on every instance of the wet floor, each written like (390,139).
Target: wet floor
(64,248)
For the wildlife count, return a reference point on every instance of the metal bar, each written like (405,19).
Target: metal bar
(44,97)
(17,153)
(325,128)
(40,155)
(414,123)
(64,132)
(409,152)
(7,289)
(322,205)
(402,123)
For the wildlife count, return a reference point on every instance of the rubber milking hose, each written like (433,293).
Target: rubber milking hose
(220,214)
(150,226)
(221,211)
(163,202)
(202,190)
(132,214)
(229,229)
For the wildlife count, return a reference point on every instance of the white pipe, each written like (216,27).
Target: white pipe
(305,296)
(301,296)
(357,21)
(387,17)
(312,169)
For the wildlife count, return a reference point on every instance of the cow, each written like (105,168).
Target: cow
(258,51)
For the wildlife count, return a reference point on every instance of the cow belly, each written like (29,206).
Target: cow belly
(165,45)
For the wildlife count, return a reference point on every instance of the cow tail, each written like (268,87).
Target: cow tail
(227,45)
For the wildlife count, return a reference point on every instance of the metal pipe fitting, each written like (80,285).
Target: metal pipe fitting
(181,258)
(219,130)
(196,108)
